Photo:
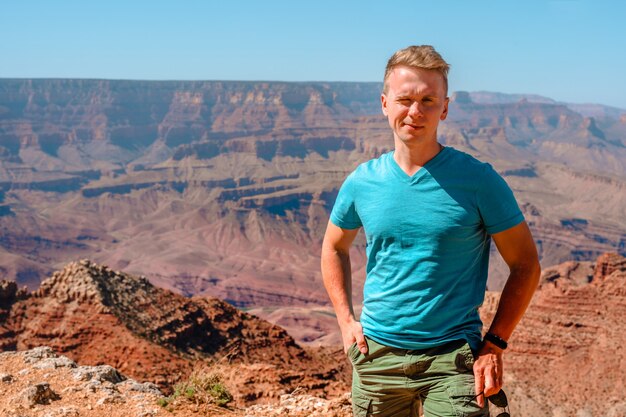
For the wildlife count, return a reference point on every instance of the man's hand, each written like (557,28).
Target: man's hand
(351,332)
(488,372)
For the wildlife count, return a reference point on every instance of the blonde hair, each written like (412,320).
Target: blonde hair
(419,56)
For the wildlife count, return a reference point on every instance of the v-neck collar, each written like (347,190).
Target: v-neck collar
(420,172)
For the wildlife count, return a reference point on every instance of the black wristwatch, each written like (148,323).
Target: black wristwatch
(496,340)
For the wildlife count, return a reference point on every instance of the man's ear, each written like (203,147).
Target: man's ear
(383,103)
(445,109)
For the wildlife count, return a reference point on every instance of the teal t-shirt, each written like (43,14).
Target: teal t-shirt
(428,239)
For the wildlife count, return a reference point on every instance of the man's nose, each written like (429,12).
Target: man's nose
(415,109)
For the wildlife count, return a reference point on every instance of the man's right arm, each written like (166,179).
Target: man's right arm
(337,275)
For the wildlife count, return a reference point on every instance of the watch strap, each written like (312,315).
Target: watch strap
(496,340)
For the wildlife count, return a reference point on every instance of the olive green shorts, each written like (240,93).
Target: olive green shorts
(403,383)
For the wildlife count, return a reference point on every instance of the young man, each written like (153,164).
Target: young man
(429,213)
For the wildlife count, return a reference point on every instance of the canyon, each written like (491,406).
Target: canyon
(224,188)
(178,224)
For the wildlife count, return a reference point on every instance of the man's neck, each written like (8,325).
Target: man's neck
(412,157)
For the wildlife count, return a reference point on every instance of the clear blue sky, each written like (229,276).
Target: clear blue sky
(569,50)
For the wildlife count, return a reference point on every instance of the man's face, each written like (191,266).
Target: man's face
(414,103)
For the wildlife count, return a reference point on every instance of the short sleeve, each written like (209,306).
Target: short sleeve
(496,203)
(344,212)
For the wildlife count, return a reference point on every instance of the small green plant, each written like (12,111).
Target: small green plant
(200,388)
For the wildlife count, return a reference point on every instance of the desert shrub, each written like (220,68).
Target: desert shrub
(201,388)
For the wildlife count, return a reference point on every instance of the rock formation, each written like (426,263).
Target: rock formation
(566,357)
(95,315)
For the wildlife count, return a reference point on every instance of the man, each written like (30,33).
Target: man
(429,213)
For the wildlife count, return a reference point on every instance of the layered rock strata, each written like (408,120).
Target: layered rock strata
(567,357)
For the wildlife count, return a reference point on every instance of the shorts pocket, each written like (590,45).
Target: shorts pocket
(465,402)
(361,405)
(353,352)
(468,356)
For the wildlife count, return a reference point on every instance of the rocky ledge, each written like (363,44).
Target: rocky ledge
(40,383)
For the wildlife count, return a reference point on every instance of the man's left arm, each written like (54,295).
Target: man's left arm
(518,250)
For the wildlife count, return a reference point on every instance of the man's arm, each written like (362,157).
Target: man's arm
(518,250)
(337,275)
